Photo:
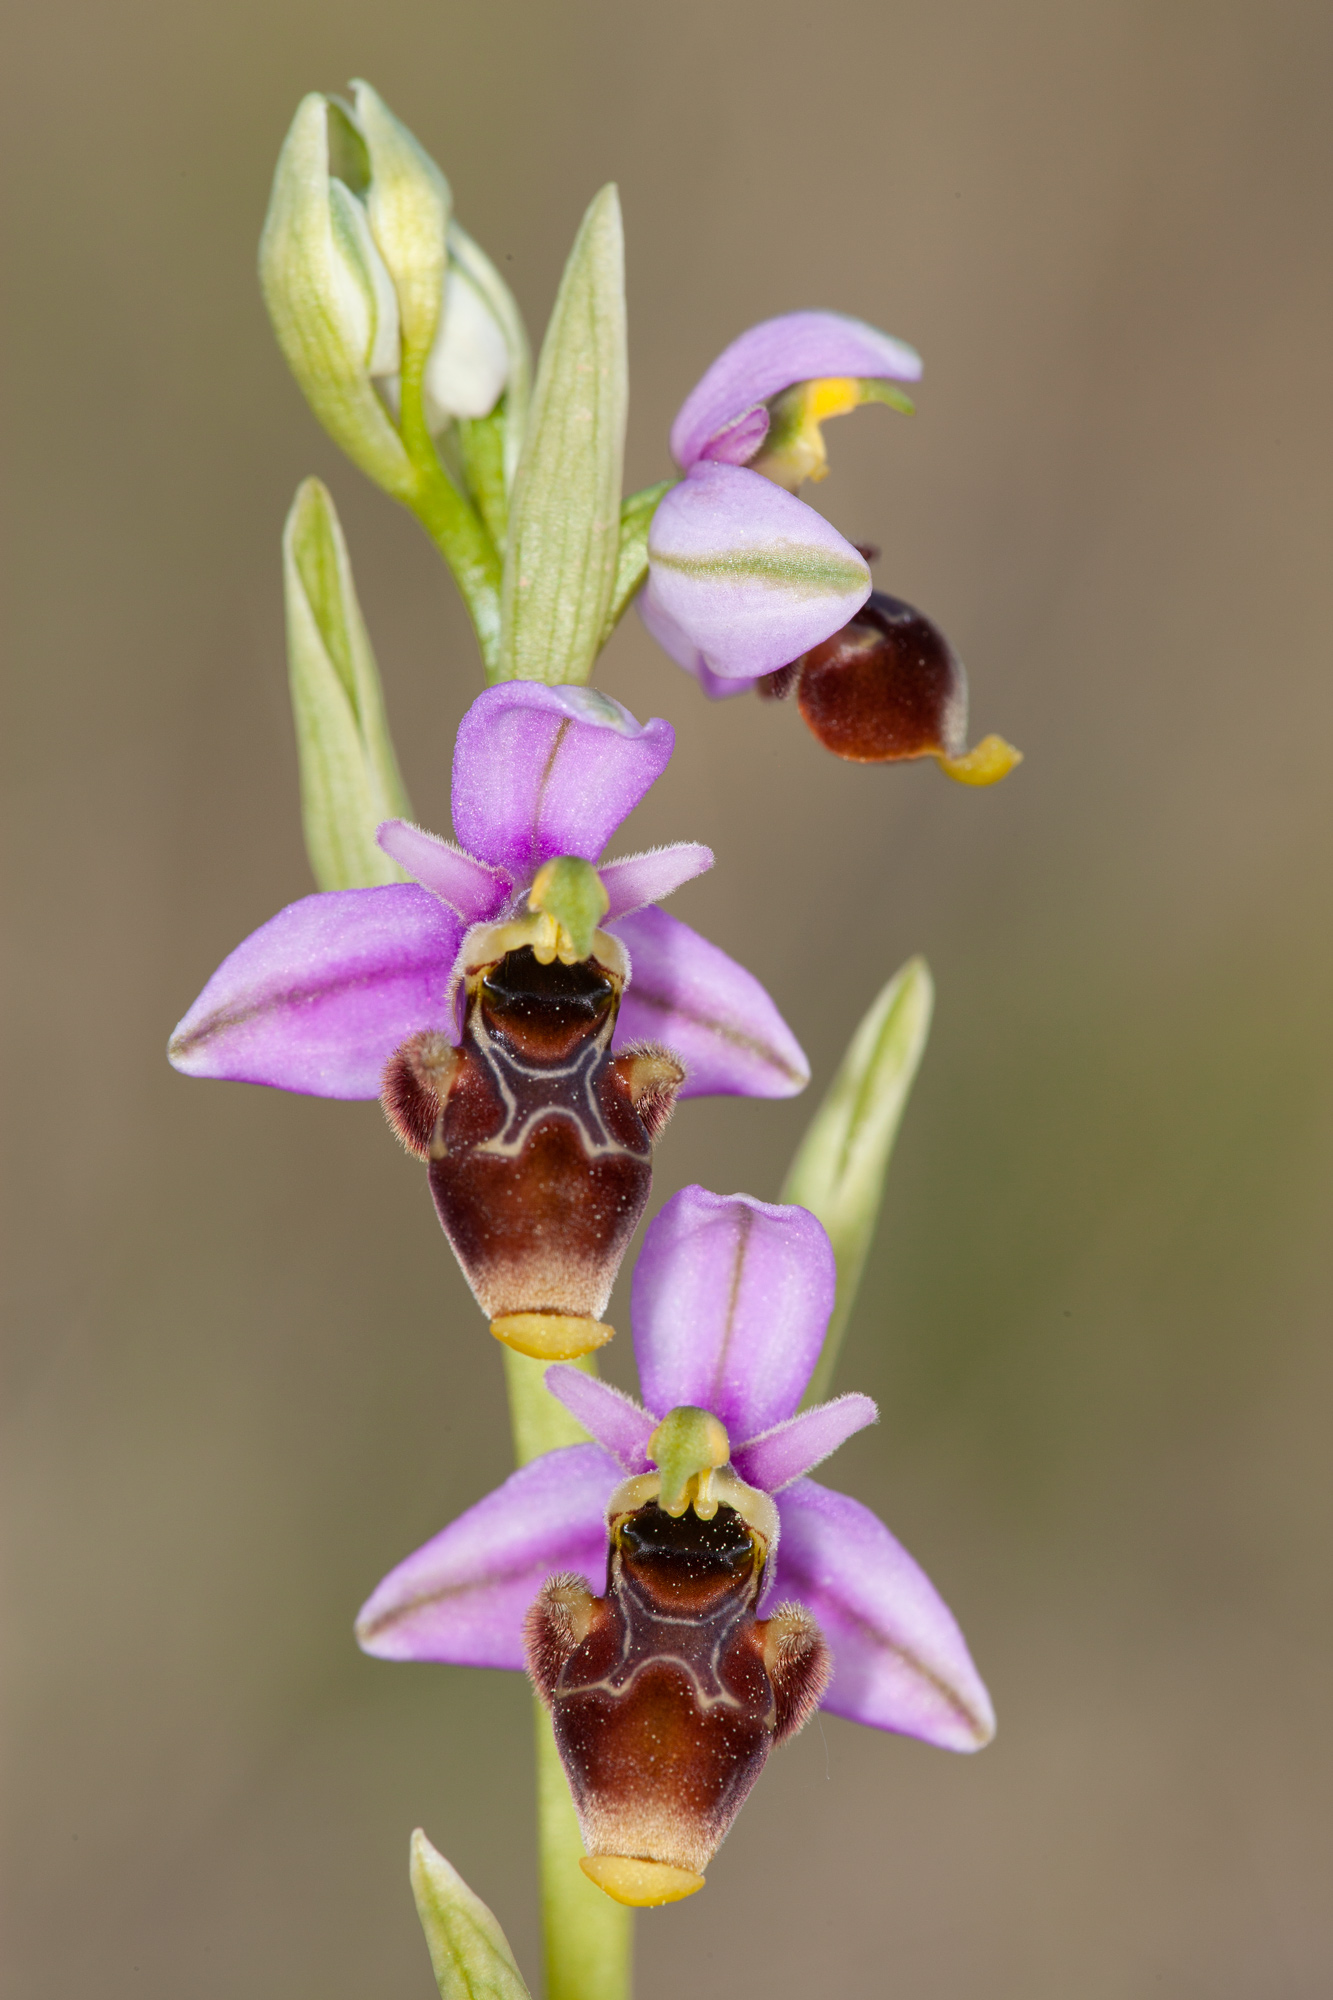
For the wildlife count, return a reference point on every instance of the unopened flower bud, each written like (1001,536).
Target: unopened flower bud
(539,1140)
(407,205)
(329,292)
(889,686)
(668,1693)
(469,365)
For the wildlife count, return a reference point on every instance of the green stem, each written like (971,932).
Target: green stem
(481,444)
(449,518)
(588,1938)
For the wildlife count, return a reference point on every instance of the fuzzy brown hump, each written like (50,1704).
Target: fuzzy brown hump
(652,1076)
(555,1627)
(799,1666)
(416,1083)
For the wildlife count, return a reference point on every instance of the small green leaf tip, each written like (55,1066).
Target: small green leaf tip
(469,1953)
(564,520)
(349,775)
(839,1169)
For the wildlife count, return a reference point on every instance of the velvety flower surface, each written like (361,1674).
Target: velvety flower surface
(731,1299)
(742,576)
(319,998)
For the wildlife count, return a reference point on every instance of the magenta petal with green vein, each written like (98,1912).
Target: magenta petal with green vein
(743,578)
(748,573)
(319,998)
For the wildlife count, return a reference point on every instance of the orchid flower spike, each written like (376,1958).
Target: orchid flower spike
(689,1513)
(528,1012)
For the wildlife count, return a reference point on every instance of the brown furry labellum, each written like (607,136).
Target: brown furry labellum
(887,686)
(667,1694)
(539,1141)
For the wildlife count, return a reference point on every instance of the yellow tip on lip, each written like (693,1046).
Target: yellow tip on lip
(551,1336)
(642,1884)
(990,760)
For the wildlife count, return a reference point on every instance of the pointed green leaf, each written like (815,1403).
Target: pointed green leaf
(469,1952)
(839,1168)
(636,518)
(564,522)
(349,775)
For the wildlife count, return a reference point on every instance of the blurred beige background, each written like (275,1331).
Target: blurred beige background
(245,1377)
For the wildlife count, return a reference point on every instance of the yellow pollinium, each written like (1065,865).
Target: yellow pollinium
(642,1884)
(551,1336)
(794,448)
(687,1448)
(985,764)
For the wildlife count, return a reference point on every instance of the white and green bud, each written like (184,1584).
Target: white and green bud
(839,1169)
(468,365)
(399,330)
(406,293)
(469,1952)
(468,368)
(329,293)
(349,774)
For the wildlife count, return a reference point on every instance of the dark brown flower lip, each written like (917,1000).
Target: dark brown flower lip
(539,1142)
(887,686)
(667,1693)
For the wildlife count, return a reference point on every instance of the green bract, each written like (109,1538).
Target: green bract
(839,1168)
(349,776)
(636,518)
(564,524)
(469,1953)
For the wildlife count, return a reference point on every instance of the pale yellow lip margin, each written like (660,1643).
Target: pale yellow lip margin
(643,1885)
(551,1336)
